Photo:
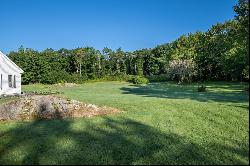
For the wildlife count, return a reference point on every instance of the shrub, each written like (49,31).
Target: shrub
(140,80)
(158,78)
(75,78)
(202,88)
(246,88)
(181,70)
(121,77)
(54,77)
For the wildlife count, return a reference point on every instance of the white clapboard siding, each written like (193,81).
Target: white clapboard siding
(9,69)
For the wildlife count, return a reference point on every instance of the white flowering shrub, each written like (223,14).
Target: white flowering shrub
(181,70)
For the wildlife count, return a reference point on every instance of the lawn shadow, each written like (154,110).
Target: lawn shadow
(230,93)
(120,141)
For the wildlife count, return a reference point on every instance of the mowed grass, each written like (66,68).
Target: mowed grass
(162,123)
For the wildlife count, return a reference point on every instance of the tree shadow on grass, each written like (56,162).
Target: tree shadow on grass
(170,91)
(119,141)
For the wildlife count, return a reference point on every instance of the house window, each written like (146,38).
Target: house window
(14,82)
(10,80)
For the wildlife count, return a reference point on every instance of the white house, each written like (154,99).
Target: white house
(10,76)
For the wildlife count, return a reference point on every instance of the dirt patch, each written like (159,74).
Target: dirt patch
(49,107)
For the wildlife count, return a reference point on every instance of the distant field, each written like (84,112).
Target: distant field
(162,123)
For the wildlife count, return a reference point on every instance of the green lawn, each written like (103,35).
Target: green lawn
(162,123)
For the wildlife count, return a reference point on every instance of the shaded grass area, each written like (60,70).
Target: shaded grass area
(113,141)
(216,92)
(163,123)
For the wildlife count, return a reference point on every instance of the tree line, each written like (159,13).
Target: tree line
(220,53)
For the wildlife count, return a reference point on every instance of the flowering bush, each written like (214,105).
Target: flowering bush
(181,70)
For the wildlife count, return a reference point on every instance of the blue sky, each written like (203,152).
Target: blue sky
(130,24)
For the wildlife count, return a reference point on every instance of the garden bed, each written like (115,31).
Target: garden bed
(32,107)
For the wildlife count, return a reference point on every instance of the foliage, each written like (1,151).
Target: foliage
(139,80)
(220,53)
(201,88)
(120,77)
(159,78)
(247,88)
(182,70)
